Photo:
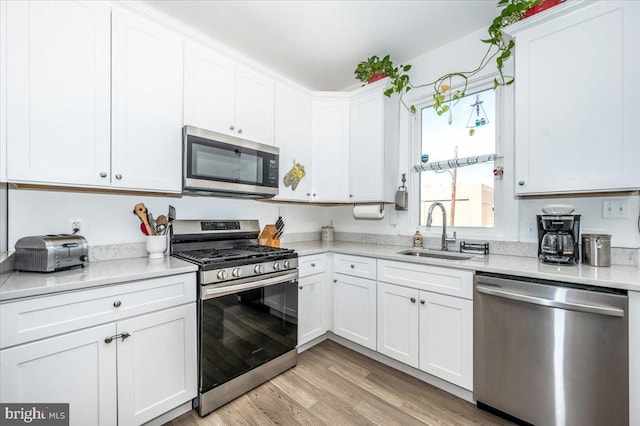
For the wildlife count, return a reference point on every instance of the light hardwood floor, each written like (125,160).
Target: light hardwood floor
(333,385)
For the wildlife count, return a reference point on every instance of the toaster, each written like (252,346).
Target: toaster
(49,253)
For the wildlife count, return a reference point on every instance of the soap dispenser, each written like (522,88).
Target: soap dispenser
(417,239)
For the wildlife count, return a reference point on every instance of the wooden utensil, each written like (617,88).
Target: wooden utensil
(141,211)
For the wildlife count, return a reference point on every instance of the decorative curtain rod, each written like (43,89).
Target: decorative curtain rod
(454,163)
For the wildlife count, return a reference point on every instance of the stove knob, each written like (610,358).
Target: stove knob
(258,269)
(237,272)
(276,266)
(287,264)
(222,275)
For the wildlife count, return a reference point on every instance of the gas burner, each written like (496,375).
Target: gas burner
(229,252)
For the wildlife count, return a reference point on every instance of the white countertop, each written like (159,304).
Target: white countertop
(620,277)
(26,284)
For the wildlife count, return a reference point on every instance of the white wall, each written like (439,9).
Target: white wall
(109,218)
(465,54)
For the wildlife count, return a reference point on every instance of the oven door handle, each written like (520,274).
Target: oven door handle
(209,293)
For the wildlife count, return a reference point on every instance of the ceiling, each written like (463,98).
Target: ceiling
(319,43)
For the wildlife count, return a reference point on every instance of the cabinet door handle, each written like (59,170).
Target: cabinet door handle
(413,300)
(350,195)
(109,339)
(103,174)
(314,194)
(239,130)
(313,265)
(232,127)
(308,194)
(422,302)
(117,304)
(352,266)
(300,287)
(521,182)
(118,176)
(335,281)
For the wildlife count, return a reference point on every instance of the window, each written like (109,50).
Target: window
(473,196)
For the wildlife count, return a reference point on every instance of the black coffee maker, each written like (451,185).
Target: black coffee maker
(558,238)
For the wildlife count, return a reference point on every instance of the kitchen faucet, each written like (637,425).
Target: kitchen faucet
(445,239)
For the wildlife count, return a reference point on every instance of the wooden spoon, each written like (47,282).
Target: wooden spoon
(141,211)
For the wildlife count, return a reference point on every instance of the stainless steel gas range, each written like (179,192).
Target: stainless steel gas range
(247,306)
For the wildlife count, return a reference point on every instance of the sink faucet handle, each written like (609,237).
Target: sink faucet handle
(451,239)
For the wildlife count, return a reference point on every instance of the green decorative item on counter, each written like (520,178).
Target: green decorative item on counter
(499,49)
(294,176)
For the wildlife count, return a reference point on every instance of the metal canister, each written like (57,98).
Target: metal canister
(596,249)
(327,234)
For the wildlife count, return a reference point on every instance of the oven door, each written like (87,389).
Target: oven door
(222,163)
(246,325)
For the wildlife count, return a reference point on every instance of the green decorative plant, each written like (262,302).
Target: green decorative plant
(499,48)
(374,68)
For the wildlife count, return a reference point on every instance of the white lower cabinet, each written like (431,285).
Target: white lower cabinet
(313,298)
(446,338)
(78,368)
(425,329)
(312,308)
(398,323)
(157,365)
(354,316)
(126,371)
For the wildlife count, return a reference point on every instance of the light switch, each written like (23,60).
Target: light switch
(614,209)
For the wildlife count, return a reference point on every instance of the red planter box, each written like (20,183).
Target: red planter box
(541,6)
(377,77)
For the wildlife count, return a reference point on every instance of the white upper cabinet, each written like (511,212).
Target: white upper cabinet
(293,137)
(147,105)
(330,135)
(57,92)
(209,83)
(373,146)
(227,97)
(576,100)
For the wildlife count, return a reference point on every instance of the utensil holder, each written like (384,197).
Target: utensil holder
(156,245)
(266,237)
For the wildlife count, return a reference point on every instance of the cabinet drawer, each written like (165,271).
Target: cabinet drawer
(363,267)
(310,265)
(454,282)
(41,317)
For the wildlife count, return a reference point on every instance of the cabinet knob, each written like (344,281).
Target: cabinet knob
(232,127)
(118,176)
(239,130)
(103,174)
(117,304)
(352,266)
(413,300)
(313,265)
(422,302)
(300,287)
(521,182)
(335,281)
(125,335)
(308,194)
(108,340)
(350,195)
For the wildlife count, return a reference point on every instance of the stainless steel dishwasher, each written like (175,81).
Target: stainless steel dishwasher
(550,353)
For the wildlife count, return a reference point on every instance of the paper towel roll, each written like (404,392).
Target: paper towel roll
(368,212)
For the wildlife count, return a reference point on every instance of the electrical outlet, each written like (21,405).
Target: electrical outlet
(75,225)
(614,209)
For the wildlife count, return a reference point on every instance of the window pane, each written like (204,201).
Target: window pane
(467,193)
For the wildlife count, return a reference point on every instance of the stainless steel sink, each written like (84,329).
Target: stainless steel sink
(436,254)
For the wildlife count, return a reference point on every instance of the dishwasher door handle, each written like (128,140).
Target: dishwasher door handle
(594,309)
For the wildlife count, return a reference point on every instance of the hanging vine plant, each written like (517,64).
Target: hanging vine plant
(499,49)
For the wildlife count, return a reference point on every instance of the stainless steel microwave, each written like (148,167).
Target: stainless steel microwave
(223,165)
